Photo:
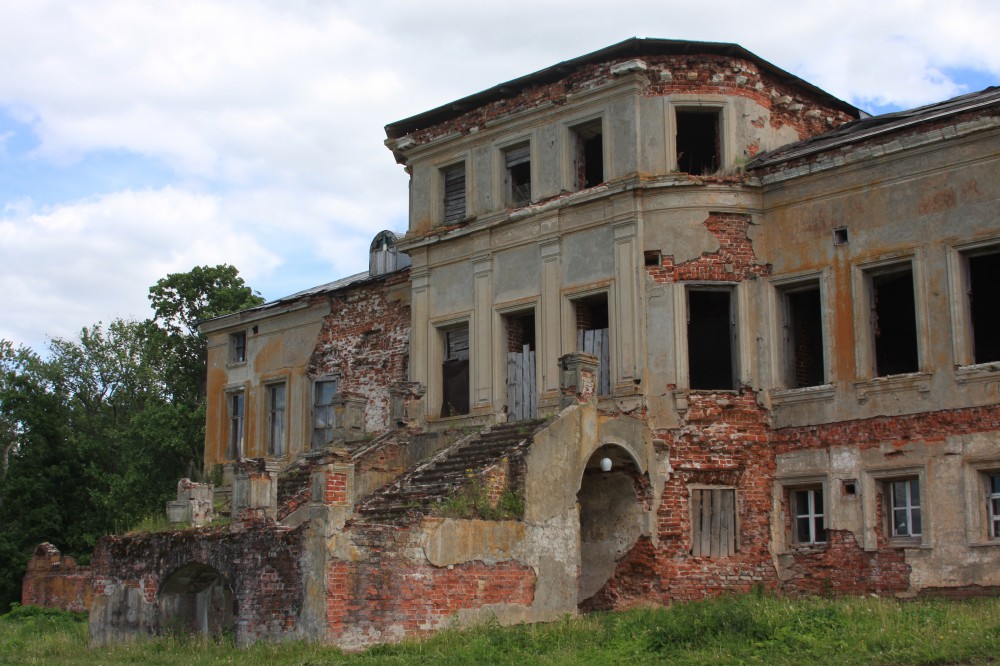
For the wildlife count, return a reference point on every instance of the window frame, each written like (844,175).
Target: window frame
(728,150)
(811,516)
(734,332)
(506,181)
(575,141)
(963,344)
(865,354)
(444,193)
(783,364)
(314,443)
(877,502)
(983,520)
(277,447)
(236,424)
(237,348)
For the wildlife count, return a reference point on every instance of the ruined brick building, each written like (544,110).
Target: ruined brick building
(667,322)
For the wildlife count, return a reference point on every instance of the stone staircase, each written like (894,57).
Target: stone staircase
(417,492)
(293,488)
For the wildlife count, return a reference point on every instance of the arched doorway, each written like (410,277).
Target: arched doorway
(611,516)
(195,599)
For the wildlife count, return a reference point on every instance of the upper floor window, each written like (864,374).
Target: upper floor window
(711,339)
(893,320)
(383,256)
(803,335)
(276,419)
(593,335)
(238,347)
(698,140)
(323,416)
(982,290)
(517,163)
(588,154)
(453,204)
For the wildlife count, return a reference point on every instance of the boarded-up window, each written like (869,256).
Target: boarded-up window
(323,416)
(455,372)
(713,522)
(517,161)
(454,193)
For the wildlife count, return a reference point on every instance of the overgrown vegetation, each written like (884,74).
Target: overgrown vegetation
(96,433)
(748,629)
(473,500)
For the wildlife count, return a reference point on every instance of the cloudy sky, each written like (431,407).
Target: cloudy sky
(144,137)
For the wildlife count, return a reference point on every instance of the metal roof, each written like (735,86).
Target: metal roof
(866,128)
(636,46)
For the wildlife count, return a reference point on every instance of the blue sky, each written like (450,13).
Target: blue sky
(142,137)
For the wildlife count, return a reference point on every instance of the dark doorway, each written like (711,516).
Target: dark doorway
(196,600)
(455,372)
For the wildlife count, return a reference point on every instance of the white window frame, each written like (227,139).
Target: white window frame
(877,484)
(983,521)
(811,515)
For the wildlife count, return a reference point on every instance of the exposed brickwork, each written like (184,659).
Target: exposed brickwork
(364,342)
(390,595)
(842,567)
(56,581)
(667,75)
(336,488)
(735,260)
(262,566)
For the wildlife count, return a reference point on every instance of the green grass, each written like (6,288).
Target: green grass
(749,629)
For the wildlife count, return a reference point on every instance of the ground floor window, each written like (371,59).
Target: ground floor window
(810,521)
(713,522)
(994,505)
(904,507)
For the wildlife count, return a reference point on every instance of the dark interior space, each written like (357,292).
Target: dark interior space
(698,150)
(895,323)
(710,340)
(984,302)
(805,337)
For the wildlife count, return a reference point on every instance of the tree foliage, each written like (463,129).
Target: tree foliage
(95,435)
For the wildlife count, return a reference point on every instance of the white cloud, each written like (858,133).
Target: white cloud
(94,260)
(267,116)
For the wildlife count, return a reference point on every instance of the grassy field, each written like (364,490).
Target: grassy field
(750,629)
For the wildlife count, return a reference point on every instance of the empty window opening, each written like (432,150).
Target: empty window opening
(454,193)
(238,347)
(711,337)
(522,400)
(196,600)
(593,337)
(236,413)
(810,525)
(849,487)
(652,258)
(455,372)
(803,337)
(517,161)
(984,306)
(904,508)
(323,414)
(276,420)
(699,150)
(894,322)
(588,154)
(713,522)
(993,497)
(840,236)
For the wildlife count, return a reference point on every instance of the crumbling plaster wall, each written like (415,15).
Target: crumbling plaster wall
(364,342)
(278,350)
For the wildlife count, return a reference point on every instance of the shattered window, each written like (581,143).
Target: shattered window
(236,418)
(517,161)
(894,321)
(276,420)
(238,347)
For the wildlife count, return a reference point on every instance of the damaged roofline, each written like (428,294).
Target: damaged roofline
(635,46)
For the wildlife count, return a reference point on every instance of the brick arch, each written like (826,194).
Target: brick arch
(196,599)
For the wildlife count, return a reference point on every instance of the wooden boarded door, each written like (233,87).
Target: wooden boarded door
(522,402)
(596,342)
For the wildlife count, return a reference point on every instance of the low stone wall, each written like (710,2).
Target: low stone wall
(56,581)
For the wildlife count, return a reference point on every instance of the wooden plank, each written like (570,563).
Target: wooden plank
(729,522)
(696,522)
(532,387)
(511,386)
(716,523)
(605,369)
(518,406)
(707,500)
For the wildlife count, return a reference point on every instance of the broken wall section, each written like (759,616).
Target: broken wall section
(54,580)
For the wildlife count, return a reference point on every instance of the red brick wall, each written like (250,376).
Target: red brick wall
(56,581)
(364,342)
(387,591)
(735,260)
